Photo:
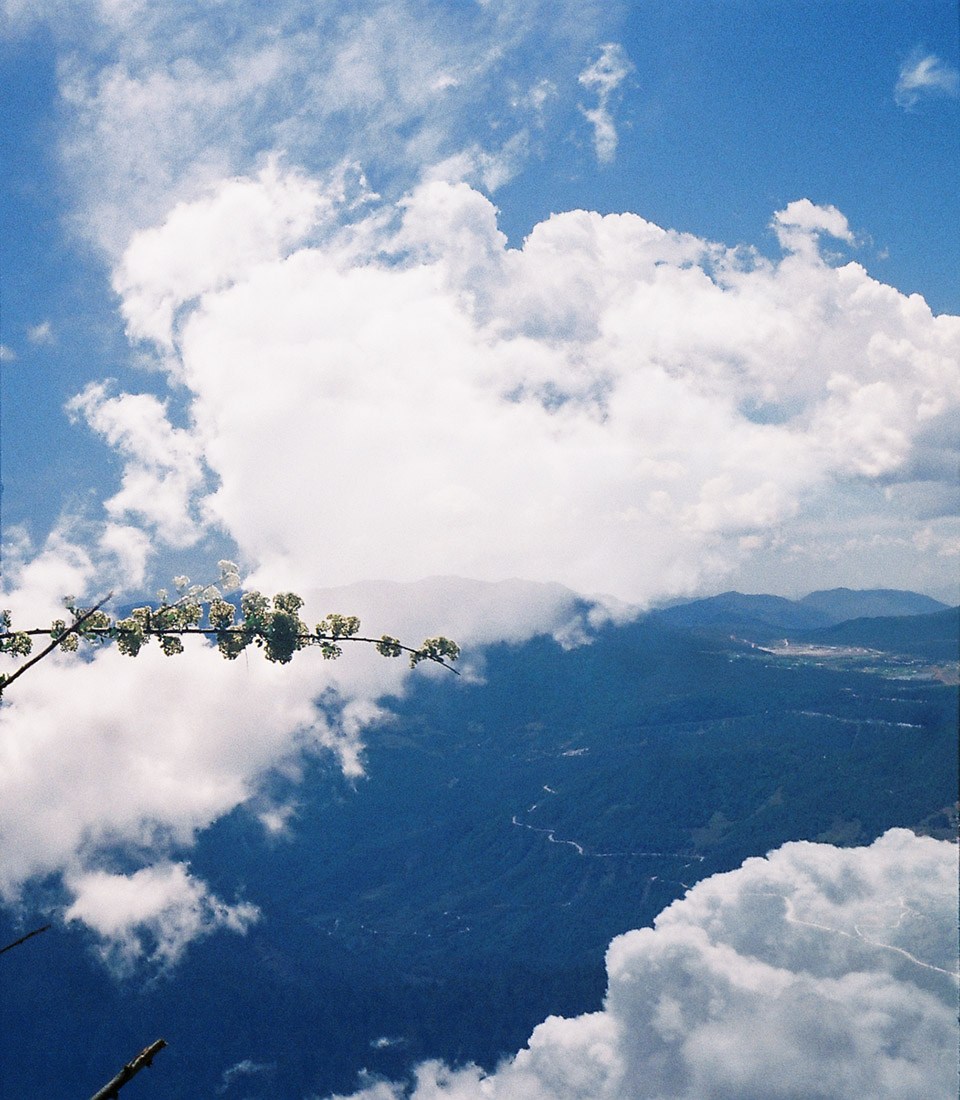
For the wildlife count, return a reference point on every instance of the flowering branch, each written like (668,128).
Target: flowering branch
(273,625)
(60,638)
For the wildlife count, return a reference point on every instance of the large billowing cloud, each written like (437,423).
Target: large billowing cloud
(816,972)
(365,387)
(615,406)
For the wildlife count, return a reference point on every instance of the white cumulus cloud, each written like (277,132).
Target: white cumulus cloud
(155,911)
(613,408)
(141,753)
(799,225)
(212,242)
(616,407)
(814,972)
(164,468)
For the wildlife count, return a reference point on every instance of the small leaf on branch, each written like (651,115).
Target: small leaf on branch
(435,649)
(389,647)
(171,645)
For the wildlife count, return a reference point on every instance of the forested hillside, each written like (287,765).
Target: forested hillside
(504,832)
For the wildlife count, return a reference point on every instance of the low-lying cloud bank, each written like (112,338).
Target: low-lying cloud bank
(815,972)
(112,764)
(110,767)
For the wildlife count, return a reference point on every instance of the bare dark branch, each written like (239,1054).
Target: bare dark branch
(23,939)
(131,1069)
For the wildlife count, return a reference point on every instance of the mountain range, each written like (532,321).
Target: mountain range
(759,618)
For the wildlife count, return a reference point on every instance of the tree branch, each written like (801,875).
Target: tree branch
(214,632)
(23,939)
(279,631)
(72,629)
(131,1069)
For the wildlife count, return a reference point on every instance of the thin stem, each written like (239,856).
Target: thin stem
(23,939)
(213,632)
(53,645)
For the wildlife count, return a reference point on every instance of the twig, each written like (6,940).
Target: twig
(131,1069)
(53,645)
(23,939)
(214,632)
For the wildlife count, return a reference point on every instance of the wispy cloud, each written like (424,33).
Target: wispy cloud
(602,78)
(235,1074)
(154,115)
(925,74)
(42,334)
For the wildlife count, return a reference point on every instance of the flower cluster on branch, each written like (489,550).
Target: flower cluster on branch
(273,625)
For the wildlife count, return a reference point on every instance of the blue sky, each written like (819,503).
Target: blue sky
(440,314)
(734,109)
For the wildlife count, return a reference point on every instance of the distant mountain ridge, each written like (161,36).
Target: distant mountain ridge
(841,604)
(935,637)
(762,618)
(753,618)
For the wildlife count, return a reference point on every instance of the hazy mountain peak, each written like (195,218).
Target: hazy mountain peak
(847,603)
